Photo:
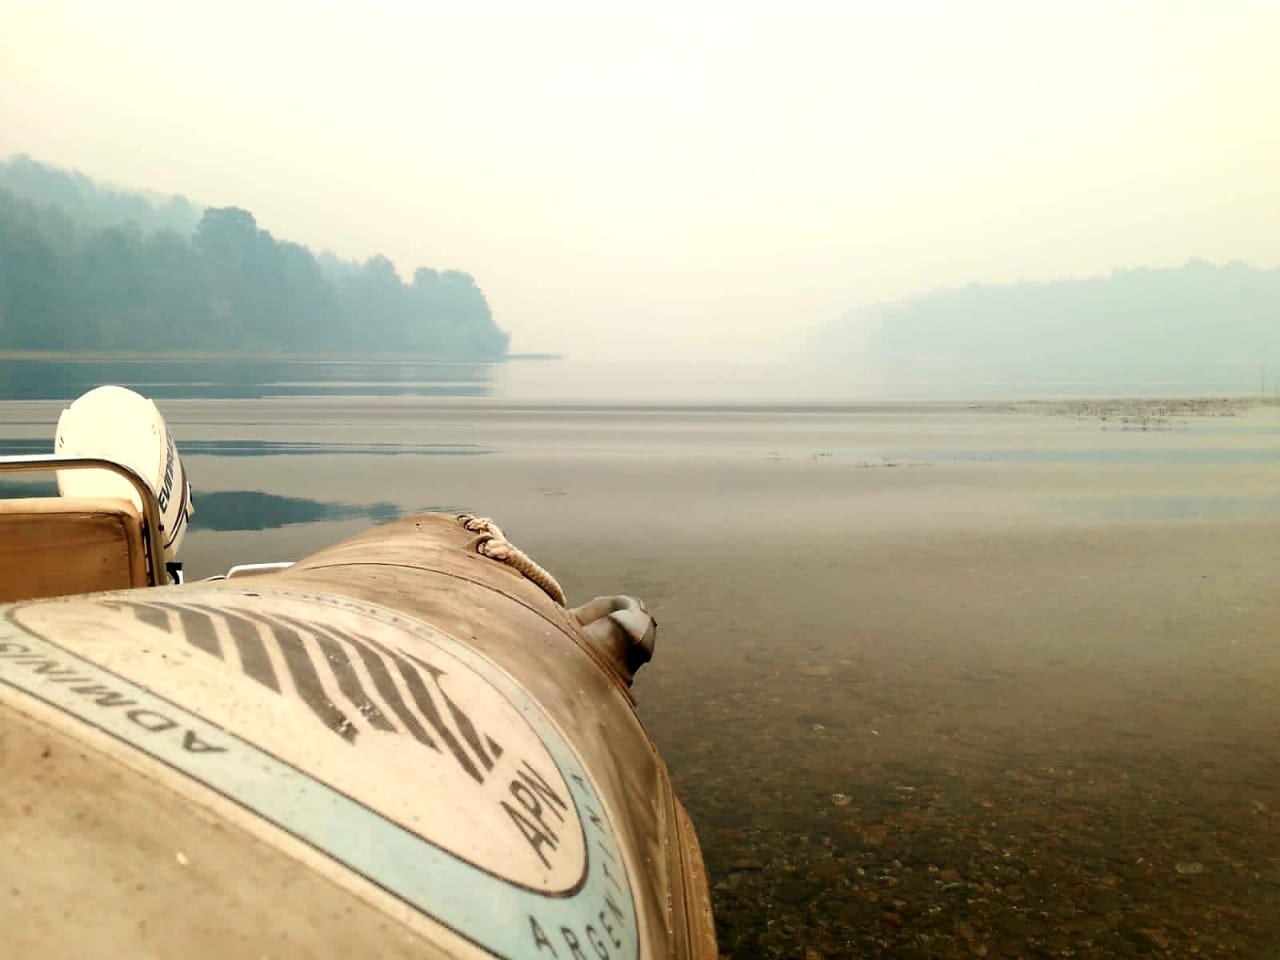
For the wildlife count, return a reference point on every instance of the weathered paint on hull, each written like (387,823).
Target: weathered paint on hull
(397,747)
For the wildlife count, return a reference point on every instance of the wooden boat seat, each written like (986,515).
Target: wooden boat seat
(55,546)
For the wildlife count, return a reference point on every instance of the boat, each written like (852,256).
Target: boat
(404,745)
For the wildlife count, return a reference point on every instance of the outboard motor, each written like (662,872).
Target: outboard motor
(117,424)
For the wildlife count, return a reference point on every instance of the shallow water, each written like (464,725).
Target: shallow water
(935,679)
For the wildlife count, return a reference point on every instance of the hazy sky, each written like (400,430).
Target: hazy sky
(673,179)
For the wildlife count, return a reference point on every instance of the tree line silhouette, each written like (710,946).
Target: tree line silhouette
(86,268)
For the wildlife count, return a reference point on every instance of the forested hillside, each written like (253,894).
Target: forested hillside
(84,267)
(1193,317)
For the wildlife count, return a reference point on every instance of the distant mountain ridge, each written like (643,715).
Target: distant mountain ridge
(1195,316)
(87,267)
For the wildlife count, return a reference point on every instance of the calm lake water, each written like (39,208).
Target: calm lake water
(940,673)
(297,452)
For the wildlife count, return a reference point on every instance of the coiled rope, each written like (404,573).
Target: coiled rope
(491,542)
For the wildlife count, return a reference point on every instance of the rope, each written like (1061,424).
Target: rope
(492,543)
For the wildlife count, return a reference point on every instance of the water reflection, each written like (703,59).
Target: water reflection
(10,489)
(229,510)
(255,510)
(66,377)
(277,448)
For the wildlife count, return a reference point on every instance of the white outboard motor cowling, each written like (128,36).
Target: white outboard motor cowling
(115,423)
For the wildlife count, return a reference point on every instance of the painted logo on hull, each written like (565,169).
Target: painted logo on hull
(375,737)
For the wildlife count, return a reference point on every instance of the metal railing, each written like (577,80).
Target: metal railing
(152,525)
